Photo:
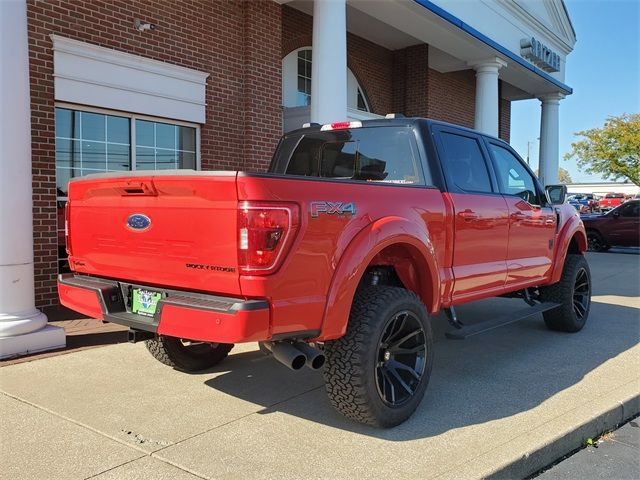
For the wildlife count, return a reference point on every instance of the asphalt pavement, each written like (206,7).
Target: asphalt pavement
(615,456)
(499,405)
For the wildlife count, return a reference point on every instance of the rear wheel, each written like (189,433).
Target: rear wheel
(378,371)
(573,293)
(596,242)
(187,355)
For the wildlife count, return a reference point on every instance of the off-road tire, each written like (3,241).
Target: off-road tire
(566,317)
(596,242)
(352,361)
(189,358)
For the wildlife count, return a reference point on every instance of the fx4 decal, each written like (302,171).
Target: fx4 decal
(332,208)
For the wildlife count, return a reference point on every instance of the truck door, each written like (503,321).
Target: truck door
(481,225)
(624,225)
(532,223)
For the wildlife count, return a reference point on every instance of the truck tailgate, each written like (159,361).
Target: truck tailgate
(174,230)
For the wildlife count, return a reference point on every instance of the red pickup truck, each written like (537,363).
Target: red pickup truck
(340,254)
(611,200)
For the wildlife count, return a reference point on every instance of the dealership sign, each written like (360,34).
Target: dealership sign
(540,54)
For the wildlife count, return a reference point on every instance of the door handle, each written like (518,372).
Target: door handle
(468,215)
(517,216)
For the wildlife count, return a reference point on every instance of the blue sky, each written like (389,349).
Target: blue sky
(603,70)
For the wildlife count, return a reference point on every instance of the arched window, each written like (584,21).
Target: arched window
(297,82)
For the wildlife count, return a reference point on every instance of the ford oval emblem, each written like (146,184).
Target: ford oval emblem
(138,222)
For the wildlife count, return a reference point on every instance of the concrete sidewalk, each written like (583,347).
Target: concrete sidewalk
(502,404)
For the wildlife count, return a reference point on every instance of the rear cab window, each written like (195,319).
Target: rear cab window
(386,155)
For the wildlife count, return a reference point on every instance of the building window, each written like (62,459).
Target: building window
(296,82)
(304,77)
(162,146)
(93,142)
(96,142)
(362,104)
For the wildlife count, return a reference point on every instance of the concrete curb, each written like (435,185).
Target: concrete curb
(531,451)
(572,439)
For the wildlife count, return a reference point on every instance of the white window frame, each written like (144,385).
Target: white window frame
(290,84)
(132,128)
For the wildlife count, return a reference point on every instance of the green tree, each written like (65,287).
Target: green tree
(612,151)
(564,176)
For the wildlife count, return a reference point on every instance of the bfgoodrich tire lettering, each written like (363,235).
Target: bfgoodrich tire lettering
(187,356)
(573,293)
(377,373)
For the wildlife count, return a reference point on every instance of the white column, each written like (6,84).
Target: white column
(549,139)
(329,61)
(23,329)
(487,102)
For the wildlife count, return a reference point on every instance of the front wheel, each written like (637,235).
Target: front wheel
(186,355)
(377,373)
(596,242)
(573,293)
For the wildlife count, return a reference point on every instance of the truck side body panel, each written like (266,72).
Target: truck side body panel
(298,291)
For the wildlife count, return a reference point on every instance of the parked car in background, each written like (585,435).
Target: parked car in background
(618,227)
(583,202)
(611,200)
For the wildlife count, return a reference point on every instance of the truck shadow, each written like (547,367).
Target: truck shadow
(485,378)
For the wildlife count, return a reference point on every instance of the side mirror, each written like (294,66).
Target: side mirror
(615,214)
(556,194)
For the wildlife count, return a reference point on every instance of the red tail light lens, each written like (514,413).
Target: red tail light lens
(265,233)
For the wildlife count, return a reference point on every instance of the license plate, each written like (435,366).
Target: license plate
(144,302)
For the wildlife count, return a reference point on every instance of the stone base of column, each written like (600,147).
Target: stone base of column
(48,338)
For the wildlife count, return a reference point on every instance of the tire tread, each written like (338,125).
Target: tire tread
(347,383)
(563,318)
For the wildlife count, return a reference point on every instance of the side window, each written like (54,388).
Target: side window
(465,163)
(513,177)
(630,210)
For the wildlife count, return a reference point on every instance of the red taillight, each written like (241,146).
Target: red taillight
(67,240)
(265,232)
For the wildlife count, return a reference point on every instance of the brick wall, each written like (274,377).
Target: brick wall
(262,82)
(410,81)
(504,130)
(242,121)
(452,97)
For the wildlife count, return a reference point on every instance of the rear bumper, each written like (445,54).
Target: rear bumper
(180,314)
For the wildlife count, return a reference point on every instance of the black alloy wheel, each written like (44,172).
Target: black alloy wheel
(581,294)
(378,372)
(595,242)
(572,294)
(402,353)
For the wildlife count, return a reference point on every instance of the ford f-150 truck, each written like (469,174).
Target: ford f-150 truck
(336,258)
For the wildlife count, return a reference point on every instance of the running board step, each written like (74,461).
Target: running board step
(482,327)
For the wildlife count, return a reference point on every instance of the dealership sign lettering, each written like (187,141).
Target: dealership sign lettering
(540,54)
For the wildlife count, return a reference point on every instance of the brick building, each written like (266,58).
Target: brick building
(212,84)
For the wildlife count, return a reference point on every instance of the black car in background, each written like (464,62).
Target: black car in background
(618,227)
